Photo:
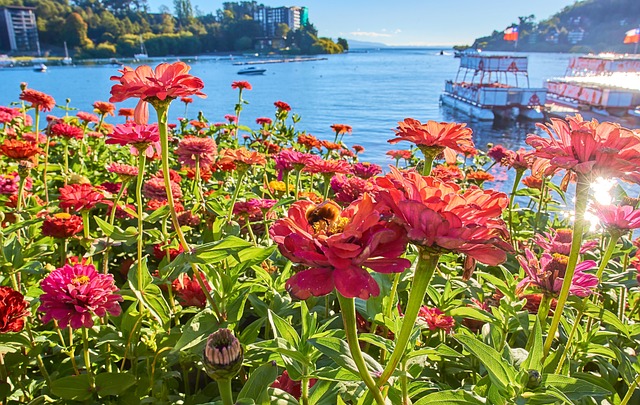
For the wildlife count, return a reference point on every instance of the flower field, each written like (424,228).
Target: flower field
(193,262)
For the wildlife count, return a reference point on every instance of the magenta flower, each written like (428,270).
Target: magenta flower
(366,170)
(73,294)
(435,319)
(618,218)
(337,246)
(559,241)
(349,189)
(547,274)
(154,189)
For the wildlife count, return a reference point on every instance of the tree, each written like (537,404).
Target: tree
(282,30)
(343,43)
(184,12)
(74,31)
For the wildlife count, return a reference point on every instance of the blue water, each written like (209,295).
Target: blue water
(370,91)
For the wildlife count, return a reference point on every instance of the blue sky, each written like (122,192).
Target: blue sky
(409,22)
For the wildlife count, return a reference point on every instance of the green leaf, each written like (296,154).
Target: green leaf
(501,373)
(217,251)
(575,389)
(449,397)
(536,353)
(113,383)
(284,329)
(607,317)
(73,388)
(258,383)
(280,397)
(104,225)
(151,295)
(197,330)
(472,313)
(157,214)
(338,351)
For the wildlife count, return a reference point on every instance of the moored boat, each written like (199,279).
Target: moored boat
(487,87)
(252,71)
(40,68)
(605,87)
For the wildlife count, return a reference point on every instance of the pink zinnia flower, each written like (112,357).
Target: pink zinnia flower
(38,99)
(263,121)
(559,241)
(547,274)
(327,167)
(154,189)
(66,130)
(253,207)
(193,149)
(588,147)
(337,246)
(188,291)
(79,197)
(617,219)
(124,172)
(349,189)
(498,153)
(399,154)
(10,183)
(435,319)
(519,160)
(440,216)
(87,117)
(134,134)
(73,294)
(8,114)
(366,170)
(286,384)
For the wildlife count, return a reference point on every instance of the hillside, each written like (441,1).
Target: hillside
(586,26)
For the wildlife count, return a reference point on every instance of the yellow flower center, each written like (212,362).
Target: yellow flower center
(62,215)
(80,280)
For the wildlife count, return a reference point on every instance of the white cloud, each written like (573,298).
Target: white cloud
(369,34)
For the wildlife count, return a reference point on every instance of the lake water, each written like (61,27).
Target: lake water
(370,91)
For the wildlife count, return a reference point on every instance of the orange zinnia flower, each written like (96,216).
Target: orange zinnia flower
(38,99)
(341,128)
(166,82)
(19,150)
(241,156)
(434,135)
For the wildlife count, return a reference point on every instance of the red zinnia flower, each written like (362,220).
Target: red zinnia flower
(126,112)
(366,170)
(330,166)
(19,150)
(286,384)
(241,85)
(79,197)
(188,291)
(124,172)
(588,147)
(263,121)
(38,99)
(282,106)
(73,294)
(436,319)
(13,310)
(436,135)
(186,100)
(154,189)
(104,107)
(439,215)
(358,148)
(62,225)
(337,246)
(498,153)
(167,81)
(399,154)
(193,149)
(66,130)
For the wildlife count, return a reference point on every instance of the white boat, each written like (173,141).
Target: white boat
(66,60)
(6,61)
(40,68)
(487,87)
(605,85)
(143,52)
(252,70)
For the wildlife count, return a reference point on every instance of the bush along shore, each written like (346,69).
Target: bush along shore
(218,263)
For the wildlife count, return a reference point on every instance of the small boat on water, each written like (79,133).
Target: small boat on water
(40,68)
(143,55)
(493,86)
(604,87)
(67,59)
(252,71)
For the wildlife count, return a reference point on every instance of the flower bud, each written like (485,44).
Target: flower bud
(223,355)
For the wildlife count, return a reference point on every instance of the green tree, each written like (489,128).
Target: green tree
(343,43)
(74,31)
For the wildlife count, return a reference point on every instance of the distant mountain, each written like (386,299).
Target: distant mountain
(355,44)
(586,26)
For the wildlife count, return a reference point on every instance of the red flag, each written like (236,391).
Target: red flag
(511,34)
(632,36)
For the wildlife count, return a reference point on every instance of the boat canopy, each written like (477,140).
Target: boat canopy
(602,65)
(494,63)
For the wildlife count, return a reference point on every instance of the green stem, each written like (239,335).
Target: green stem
(224,386)
(87,356)
(297,185)
(62,246)
(44,172)
(425,268)
(327,185)
(142,158)
(543,192)
(66,162)
(516,182)
(304,396)
(428,164)
(23,179)
(572,333)
(162,111)
(611,246)
(388,310)
(241,174)
(348,307)
(404,386)
(112,218)
(543,311)
(85,223)
(632,389)
(582,195)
